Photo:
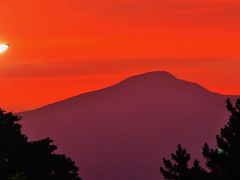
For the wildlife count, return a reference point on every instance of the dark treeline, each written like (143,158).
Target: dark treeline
(21,159)
(222,162)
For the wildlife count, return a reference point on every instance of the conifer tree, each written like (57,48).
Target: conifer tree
(179,170)
(224,161)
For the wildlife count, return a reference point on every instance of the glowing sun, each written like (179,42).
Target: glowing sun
(3,47)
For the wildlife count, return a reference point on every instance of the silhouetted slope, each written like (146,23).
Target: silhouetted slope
(123,131)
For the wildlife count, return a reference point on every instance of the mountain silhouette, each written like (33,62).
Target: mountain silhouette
(124,131)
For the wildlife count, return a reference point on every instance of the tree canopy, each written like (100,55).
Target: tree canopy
(222,162)
(21,159)
(180,169)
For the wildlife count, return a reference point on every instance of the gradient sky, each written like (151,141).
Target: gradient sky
(61,48)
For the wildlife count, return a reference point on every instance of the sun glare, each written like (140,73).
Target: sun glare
(3,47)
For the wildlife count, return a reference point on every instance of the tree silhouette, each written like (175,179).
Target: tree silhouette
(224,160)
(180,170)
(21,159)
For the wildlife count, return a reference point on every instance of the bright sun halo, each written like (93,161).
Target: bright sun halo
(3,47)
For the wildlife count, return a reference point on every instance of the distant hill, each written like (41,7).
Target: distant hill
(124,131)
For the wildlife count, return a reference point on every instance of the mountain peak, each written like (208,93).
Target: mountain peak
(157,74)
(153,76)
(144,116)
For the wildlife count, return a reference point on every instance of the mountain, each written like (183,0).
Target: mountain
(124,131)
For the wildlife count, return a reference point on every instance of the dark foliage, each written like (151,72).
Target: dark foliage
(222,161)
(21,159)
(180,170)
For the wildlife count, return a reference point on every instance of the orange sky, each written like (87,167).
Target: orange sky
(61,48)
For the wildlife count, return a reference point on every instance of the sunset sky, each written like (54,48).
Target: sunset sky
(61,48)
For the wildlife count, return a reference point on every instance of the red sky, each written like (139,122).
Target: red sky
(61,48)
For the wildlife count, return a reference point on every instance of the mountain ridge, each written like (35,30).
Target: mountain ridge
(157,75)
(123,131)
